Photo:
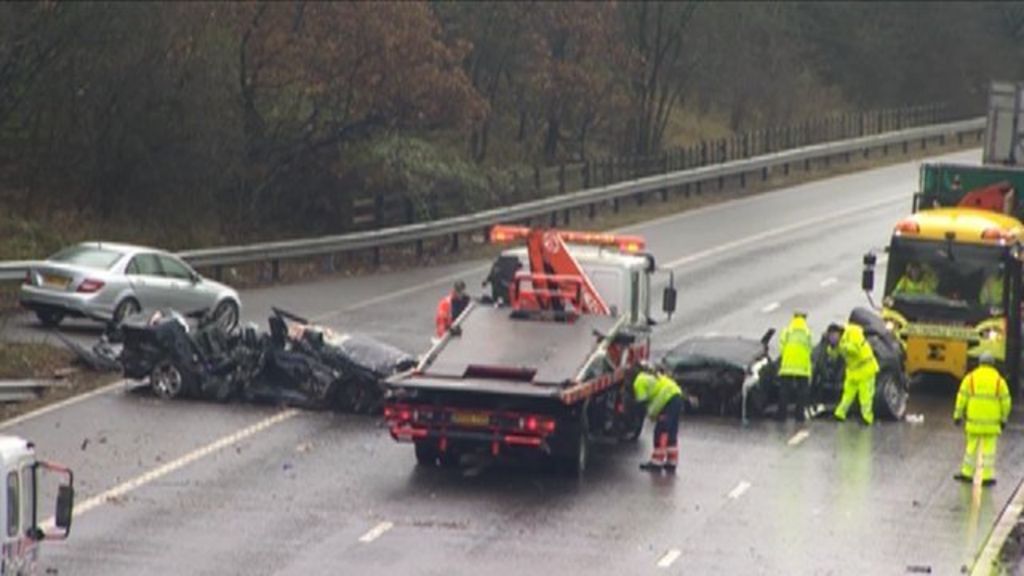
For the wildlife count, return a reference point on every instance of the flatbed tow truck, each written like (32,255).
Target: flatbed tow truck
(548,372)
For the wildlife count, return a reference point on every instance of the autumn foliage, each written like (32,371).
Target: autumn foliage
(198,123)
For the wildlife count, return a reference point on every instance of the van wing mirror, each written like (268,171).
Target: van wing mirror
(668,300)
(867,277)
(60,526)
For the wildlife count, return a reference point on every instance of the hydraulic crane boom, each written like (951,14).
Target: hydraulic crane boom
(554,270)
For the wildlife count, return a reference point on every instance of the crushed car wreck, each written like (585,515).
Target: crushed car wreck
(736,376)
(297,362)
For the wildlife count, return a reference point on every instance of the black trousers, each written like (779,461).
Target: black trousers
(795,389)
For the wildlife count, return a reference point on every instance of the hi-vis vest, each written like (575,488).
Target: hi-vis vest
(796,349)
(857,353)
(657,391)
(985,398)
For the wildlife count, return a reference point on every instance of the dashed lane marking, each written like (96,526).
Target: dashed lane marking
(739,490)
(770,308)
(376,532)
(670,557)
(781,230)
(799,437)
(829,281)
(157,473)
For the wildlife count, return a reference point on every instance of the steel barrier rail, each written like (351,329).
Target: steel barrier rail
(478,221)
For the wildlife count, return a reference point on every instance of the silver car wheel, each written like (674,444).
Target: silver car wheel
(166,381)
(226,315)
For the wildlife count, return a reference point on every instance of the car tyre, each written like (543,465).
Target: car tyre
(167,381)
(891,395)
(226,314)
(50,318)
(126,308)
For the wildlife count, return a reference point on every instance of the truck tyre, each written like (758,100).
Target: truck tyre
(891,395)
(426,454)
(575,453)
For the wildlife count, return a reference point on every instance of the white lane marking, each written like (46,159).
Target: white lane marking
(799,437)
(829,281)
(669,557)
(157,473)
(376,532)
(711,334)
(770,308)
(64,403)
(807,223)
(739,490)
(1000,532)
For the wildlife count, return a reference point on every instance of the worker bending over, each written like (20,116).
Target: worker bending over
(450,307)
(664,401)
(795,366)
(859,379)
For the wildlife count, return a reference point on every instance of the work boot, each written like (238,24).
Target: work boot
(962,477)
(651,467)
(671,469)
(989,482)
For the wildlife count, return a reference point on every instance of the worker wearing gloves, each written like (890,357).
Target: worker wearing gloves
(859,379)
(985,399)
(664,401)
(450,307)
(795,366)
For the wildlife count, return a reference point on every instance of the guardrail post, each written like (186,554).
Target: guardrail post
(586,174)
(615,205)
(746,145)
(536,179)
(743,179)
(561,178)
(455,241)
(275,270)
(565,216)
(378,210)
(218,273)
(419,249)
(410,212)
(785,169)
(924,143)
(592,210)
(376,256)
(704,153)
(764,173)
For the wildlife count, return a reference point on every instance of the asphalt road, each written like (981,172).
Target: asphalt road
(212,489)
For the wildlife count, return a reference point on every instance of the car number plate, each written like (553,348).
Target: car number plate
(475,419)
(55,281)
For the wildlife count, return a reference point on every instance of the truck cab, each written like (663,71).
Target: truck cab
(27,480)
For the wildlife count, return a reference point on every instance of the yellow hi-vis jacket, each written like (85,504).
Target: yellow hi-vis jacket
(657,391)
(796,349)
(986,399)
(857,353)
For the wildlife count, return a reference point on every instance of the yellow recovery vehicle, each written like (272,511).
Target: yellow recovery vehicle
(953,279)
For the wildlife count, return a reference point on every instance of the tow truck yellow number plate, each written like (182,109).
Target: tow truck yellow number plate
(475,419)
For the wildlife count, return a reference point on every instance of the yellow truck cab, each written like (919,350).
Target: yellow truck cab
(27,480)
(953,277)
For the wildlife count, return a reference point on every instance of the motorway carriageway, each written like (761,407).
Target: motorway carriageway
(196,488)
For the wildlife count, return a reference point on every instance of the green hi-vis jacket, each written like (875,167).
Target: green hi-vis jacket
(986,399)
(796,349)
(857,353)
(657,391)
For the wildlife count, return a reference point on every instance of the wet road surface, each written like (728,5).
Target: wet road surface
(231,489)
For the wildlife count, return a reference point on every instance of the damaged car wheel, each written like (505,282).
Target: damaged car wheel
(167,381)
(891,395)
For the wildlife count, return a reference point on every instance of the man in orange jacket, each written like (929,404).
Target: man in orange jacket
(450,307)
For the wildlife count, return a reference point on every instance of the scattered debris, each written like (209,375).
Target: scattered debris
(915,418)
(919,569)
(304,447)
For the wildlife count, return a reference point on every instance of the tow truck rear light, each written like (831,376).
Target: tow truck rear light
(907,227)
(537,424)
(398,413)
(90,285)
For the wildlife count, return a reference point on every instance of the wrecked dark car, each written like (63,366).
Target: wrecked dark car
(724,375)
(296,363)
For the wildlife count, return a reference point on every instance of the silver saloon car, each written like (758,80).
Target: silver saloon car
(106,282)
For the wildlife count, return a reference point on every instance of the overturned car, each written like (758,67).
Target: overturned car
(738,376)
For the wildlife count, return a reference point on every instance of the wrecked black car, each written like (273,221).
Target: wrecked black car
(736,376)
(724,375)
(296,363)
